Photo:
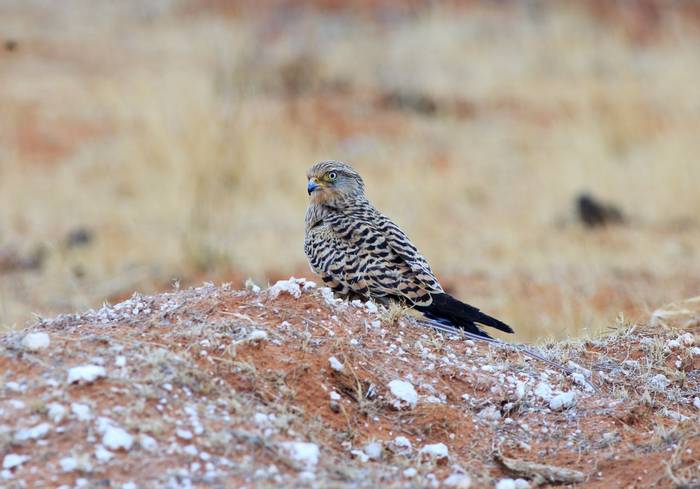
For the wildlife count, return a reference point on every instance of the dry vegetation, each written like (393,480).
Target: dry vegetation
(213,387)
(178,133)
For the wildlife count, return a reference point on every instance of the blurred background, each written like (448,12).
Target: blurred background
(544,155)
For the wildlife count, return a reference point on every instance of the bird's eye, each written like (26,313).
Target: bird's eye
(332,176)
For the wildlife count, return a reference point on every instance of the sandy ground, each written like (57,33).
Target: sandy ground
(288,387)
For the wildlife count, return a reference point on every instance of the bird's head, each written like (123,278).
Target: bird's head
(333,182)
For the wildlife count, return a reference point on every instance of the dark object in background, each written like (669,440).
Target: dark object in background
(415,102)
(78,237)
(594,213)
(13,261)
(10,44)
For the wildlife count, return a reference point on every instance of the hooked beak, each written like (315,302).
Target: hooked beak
(312,185)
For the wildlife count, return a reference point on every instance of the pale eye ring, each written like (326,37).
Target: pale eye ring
(332,176)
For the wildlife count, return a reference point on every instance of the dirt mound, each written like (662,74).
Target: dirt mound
(289,387)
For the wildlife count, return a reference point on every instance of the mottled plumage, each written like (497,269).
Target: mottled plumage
(358,251)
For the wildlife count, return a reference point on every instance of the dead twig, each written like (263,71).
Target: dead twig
(540,473)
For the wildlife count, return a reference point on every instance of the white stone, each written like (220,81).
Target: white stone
(436,451)
(361,456)
(687,339)
(148,443)
(373,450)
(328,296)
(184,434)
(81,411)
(675,415)
(68,464)
(13,460)
(16,403)
(36,341)
(304,453)
(543,391)
(460,481)
(262,419)
(490,412)
(120,361)
(14,386)
(513,484)
(102,454)
(250,285)
(410,472)
(290,287)
(562,401)
(86,373)
(580,379)
(335,364)
(404,392)
(34,433)
(56,412)
(114,437)
(696,402)
(257,335)
(402,444)
(505,484)
(307,475)
(659,382)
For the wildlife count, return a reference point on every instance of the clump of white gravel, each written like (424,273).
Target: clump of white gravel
(460,481)
(34,433)
(81,411)
(13,460)
(291,287)
(257,335)
(402,445)
(336,364)
(562,401)
(304,453)
(113,436)
(435,451)
(543,391)
(659,382)
(36,341)
(512,484)
(404,392)
(56,412)
(373,450)
(68,464)
(86,373)
(328,296)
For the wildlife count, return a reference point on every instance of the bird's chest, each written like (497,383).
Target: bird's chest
(331,244)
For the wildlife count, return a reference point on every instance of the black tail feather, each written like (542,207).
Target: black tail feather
(466,317)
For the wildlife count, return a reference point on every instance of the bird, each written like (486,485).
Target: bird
(360,253)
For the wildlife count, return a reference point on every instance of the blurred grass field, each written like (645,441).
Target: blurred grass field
(176,135)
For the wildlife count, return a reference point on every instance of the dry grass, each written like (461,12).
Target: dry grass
(182,141)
